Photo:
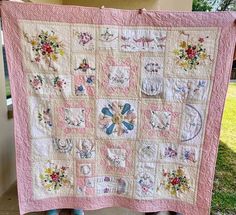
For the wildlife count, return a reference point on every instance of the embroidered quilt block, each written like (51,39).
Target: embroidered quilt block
(115,115)
(98,94)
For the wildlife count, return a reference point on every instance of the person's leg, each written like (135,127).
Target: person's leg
(78,212)
(53,212)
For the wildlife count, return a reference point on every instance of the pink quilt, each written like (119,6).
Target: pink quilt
(116,107)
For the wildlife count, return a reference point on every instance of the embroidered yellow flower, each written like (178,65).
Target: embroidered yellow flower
(48,170)
(183,44)
(190,54)
(176,51)
(34,42)
(184,64)
(55,177)
(61,52)
(203,56)
(53,38)
(47,47)
(54,57)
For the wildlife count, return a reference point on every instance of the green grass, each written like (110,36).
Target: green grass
(224,193)
(8,91)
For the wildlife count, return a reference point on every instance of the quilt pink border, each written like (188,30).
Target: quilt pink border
(11,12)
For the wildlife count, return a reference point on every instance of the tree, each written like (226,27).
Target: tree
(201,5)
(227,5)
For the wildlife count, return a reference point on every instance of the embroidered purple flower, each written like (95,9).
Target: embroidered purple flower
(117,118)
(170,152)
(84,38)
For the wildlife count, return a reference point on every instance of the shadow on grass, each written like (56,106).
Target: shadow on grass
(224,192)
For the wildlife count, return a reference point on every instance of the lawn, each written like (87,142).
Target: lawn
(8,92)
(224,193)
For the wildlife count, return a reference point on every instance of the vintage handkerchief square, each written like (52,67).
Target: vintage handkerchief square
(83,38)
(170,175)
(56,176)
(159,120)
(152,79)
(108,37)
(190,53)
(74,117)
(52,148)
(116,157)
(41,119)
(46,46)
(119,75)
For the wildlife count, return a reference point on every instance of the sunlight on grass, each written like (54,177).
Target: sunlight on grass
(228,130)
(224,195)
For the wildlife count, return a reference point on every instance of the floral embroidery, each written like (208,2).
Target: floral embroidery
(80,90)
(90,79)
(107,36)
(84,37)
(170,152)
(46,46)
(75,117)
(59,83)
(84,66)
(62,145)
(117,118)
(84,85)
(54,177)
(190,55)
(45,117)
(146,183)
(119,76)
(147,151)
(185,90)
(175,181)
(37,82)
(86,149)
(188,155)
